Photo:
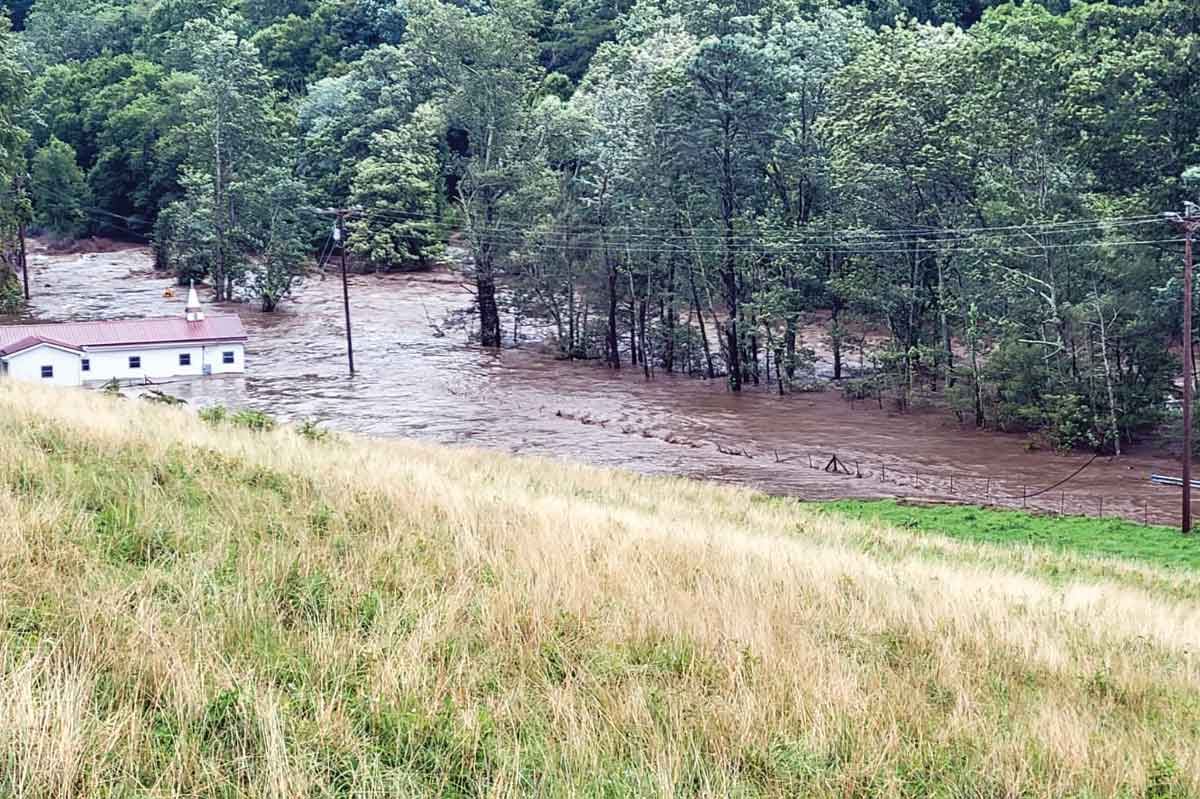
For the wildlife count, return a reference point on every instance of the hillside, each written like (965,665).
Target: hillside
(190,609)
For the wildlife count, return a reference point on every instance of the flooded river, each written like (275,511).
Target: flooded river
(417,376)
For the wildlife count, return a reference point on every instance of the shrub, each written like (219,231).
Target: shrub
(257,421)
(311,429)
(214,414)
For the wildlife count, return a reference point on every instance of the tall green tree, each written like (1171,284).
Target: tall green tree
(400,187)
(59,189)
(15,208)
(483,72)
(235,135)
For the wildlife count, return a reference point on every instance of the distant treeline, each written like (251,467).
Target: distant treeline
(673,184)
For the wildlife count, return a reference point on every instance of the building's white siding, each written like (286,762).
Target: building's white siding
(214,356)
(28,365)
(158,362)
(155,363)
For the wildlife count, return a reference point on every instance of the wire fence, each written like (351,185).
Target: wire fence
(952,487)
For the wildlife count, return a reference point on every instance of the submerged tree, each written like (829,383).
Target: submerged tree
(239,155)
(482,68)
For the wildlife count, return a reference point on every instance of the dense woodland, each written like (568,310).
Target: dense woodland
(674,186)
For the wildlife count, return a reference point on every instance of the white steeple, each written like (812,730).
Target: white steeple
(193,310)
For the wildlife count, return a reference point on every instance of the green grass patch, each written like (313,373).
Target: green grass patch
(1159,546)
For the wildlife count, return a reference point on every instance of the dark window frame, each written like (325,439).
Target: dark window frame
(47,372)
(135,362)
(228,357)
(85,364)
(185,359)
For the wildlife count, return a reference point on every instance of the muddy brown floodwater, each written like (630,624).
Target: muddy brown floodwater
(418,377)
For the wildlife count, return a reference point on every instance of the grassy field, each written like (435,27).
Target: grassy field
(192,609)
(1162,546)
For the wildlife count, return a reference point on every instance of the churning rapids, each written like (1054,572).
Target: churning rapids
(417,376)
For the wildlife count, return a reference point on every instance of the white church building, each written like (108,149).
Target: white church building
(129,350)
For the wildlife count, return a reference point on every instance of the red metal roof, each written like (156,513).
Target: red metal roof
(33,341)
(119,332)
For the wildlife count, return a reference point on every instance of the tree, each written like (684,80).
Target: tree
(482,69)
(399,186)
(60,194)
(730,121)
(235,134)
(15,208)
(278,236)
(298,49)
(59,31)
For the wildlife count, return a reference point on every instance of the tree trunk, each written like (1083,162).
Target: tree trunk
(789,343)
(708,361)
(948,377)
(835,337)
(633,338)
(668,318)
(612,346)
(489,312)
(1108,384)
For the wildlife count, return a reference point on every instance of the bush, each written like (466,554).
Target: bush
(257,421)
(12,296)
(214,414)
(311,429)
(1072,423)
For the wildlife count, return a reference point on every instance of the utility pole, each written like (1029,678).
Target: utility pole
(1187,223)
(339,235)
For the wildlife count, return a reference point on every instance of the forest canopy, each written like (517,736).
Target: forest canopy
(967,194)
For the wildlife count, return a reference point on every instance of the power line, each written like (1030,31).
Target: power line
(1061,227)
(533,241)
(643,240)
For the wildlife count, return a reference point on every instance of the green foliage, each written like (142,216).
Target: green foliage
(400,182)
(237,223)
(677,184)
(257,421)
(214,414)
(312,430)
(77,30)
(12,295)
(60,192)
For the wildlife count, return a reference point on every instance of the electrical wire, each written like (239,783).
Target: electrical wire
(640,240)
(1060,227)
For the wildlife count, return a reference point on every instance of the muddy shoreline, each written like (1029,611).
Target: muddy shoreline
(418,376)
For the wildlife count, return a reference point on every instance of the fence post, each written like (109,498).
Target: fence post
(883,472)
(1062,503)
(810,461)
(1147,508)
(1101,507)
(952,482)
(916,479)
(988,492)
(1024,496)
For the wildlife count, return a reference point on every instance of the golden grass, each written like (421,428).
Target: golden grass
(197,611)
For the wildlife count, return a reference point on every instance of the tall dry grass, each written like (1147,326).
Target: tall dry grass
(197,611)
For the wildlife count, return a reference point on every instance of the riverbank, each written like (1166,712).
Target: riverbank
(198,609)
(417,376)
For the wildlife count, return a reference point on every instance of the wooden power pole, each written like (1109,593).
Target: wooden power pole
(1188,223)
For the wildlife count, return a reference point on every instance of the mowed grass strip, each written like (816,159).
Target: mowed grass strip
(1115,538)
(200,610)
